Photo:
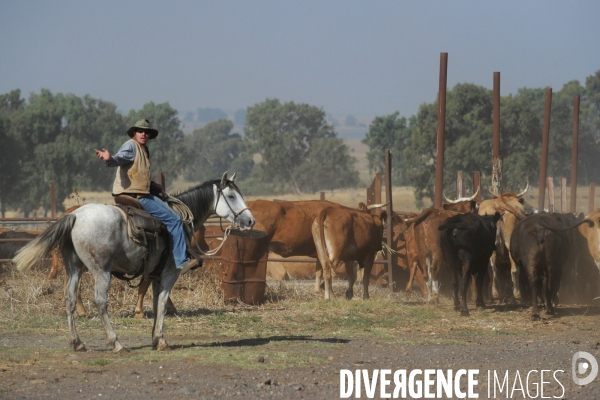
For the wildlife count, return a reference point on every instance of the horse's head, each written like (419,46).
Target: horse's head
(231,205)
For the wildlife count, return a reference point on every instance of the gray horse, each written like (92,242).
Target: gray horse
(95,235)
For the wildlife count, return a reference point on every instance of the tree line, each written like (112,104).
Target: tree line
(51,137)
(468,137)
(289,147)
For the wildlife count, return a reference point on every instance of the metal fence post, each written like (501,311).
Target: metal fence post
(550,194)
(441,128)
(390,211)
(53,199)
(545,140)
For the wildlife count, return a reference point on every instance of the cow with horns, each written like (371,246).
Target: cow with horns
(511,206)
(424,253)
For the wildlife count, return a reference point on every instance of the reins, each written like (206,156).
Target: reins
(227,230)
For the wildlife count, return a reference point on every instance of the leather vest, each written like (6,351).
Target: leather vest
(134,178)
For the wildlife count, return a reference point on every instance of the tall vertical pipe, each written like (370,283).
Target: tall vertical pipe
(574,155)
(496,158)
(563,195)
(496,141)
(439,161)
(477,185)
(550,194)
(545,141)
(390,213)
(460,185)
(53,199)
(592,197)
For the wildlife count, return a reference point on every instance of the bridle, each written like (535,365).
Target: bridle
(226,230)
(220,189)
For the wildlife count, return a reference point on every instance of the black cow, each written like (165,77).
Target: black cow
(468,241)
(541,245)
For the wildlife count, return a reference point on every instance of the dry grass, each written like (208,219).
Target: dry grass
(30,303)
(289,329)
(402,196)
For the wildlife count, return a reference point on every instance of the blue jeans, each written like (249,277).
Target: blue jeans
(159,209)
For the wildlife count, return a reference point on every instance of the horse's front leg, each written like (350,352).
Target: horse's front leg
(161,288)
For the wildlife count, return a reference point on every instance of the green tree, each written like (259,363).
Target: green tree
(37,128)
(329,167)
(284,135)
(10,104)
(216,150)
(388,132)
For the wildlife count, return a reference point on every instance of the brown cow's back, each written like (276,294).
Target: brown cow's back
(288,224)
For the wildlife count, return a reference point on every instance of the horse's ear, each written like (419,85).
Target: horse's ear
(232,179)
(224,178)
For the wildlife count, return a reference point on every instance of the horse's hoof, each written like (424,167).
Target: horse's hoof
(481,305)
(139,315)
(79,347)
(535,317)
(464,313)
(119,348)
(163,347)
(349,295)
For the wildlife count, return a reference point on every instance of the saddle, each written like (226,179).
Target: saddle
(141,226)
(145,229)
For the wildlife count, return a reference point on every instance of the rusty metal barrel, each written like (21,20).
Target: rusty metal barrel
(243,268)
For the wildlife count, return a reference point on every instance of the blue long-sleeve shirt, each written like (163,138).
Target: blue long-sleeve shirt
(124,156)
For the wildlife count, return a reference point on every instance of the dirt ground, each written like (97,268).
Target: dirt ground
(291,348)
(69,376)
(54,372)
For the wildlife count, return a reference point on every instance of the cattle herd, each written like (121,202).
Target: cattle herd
(513,257)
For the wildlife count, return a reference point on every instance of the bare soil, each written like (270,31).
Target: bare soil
(292,347)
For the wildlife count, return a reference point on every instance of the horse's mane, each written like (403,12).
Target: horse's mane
(199,198)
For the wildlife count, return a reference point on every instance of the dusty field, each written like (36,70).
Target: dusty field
(293,346)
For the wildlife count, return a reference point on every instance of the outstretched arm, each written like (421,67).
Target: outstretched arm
(103,154)
(125,155)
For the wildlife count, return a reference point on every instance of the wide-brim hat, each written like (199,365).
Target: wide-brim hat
(142,124)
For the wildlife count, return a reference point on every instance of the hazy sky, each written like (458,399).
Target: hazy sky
(348,57)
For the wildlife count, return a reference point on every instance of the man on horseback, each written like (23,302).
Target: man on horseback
(133,179)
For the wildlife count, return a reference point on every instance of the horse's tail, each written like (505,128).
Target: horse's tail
(55,236)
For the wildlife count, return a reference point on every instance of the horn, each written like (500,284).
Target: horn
(493,194)
(448,200)
(524,191)
(232,179)
(372,206)
(224,178)
(475,195)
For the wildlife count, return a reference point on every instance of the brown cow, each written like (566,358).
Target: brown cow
(285,270)
(513,205)
(288,225)
(424,253)
(343,234)
(592,235)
